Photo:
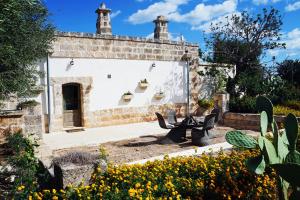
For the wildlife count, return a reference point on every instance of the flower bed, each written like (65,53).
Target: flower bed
(284,110)
(222,176)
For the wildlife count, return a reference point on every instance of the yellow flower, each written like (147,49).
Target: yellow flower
(21,188)
(137,185)
(132,192)
(54,198)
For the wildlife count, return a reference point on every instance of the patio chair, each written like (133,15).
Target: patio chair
(200,136)
(216,111)
(172,119)
(162,123)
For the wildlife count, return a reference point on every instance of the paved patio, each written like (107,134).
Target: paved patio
(94,136)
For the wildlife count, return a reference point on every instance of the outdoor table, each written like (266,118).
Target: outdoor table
(190,122)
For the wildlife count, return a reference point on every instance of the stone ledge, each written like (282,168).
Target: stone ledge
(122,38)
(247,121)
(11,113)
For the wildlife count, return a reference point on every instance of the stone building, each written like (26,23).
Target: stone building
(87,77)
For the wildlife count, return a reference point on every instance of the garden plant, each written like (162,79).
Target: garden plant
(279,153)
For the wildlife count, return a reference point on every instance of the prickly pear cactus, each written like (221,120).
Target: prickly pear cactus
(239,139)
(264,104)
(280,153)
(291,129)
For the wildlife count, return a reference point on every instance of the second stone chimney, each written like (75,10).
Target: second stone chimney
(103,21)
(161,28)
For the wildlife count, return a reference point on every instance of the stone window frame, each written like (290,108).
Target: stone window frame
(57,98)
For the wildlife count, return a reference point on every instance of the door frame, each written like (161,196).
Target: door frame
(80,110)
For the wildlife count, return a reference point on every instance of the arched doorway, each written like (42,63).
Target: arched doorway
(71,105)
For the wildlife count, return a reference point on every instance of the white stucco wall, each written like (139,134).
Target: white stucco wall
(125,74)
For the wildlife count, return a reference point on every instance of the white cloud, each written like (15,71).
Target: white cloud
(172,37)
(222,19)
(166,8)
(115,14)
(203,13)
(293,6)
(292,41)
(264,2)
(170,8)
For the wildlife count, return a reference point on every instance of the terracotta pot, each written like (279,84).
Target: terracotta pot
(159,96)
(202,111)
(143,85)
(127,97)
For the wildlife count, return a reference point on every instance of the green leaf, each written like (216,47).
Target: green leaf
(289,172)
(293,157)
(264,104)
(263,123)
(270,152)
(282,149)
(239,139)
(256,164)
(275,135)
(261,142)
(291,128)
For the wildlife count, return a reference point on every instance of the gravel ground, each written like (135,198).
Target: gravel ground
(145,147)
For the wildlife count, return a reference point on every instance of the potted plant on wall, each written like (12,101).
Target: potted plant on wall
(159,95)
(127,96)
(143,84)
(204,106)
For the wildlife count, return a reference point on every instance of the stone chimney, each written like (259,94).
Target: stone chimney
(161,28)
(103,21)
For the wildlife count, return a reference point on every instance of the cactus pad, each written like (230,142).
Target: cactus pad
(263,123)
(291,129)
(264,104)
(239,139)
(289,172)
(269,152)
(256,164)
(293,157)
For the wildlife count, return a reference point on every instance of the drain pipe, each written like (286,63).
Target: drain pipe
(48,95)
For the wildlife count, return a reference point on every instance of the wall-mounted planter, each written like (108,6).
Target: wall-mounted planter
(127,97)
(38,89)
(143,85)
(159,96)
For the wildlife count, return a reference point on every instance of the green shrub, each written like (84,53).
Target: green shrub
(26,104)
(292,104)
(282,110)
(205,103)
(246,104)
(24,164)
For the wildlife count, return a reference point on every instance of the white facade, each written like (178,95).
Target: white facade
(111,78)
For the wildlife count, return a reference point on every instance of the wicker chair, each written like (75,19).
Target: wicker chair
(200,136)
(162,123)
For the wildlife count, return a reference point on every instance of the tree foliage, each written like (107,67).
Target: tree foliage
(242,40)
(289,70)
(25,36)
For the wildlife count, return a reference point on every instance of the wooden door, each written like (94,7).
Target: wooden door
(71,105)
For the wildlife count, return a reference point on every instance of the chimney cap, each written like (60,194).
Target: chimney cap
(102,8)
(161,18)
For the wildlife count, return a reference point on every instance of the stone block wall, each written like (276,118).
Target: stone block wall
(86,45)
(247,121)
(29,120)
(128,115)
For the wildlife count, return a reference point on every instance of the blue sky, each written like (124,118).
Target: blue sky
(187,17)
